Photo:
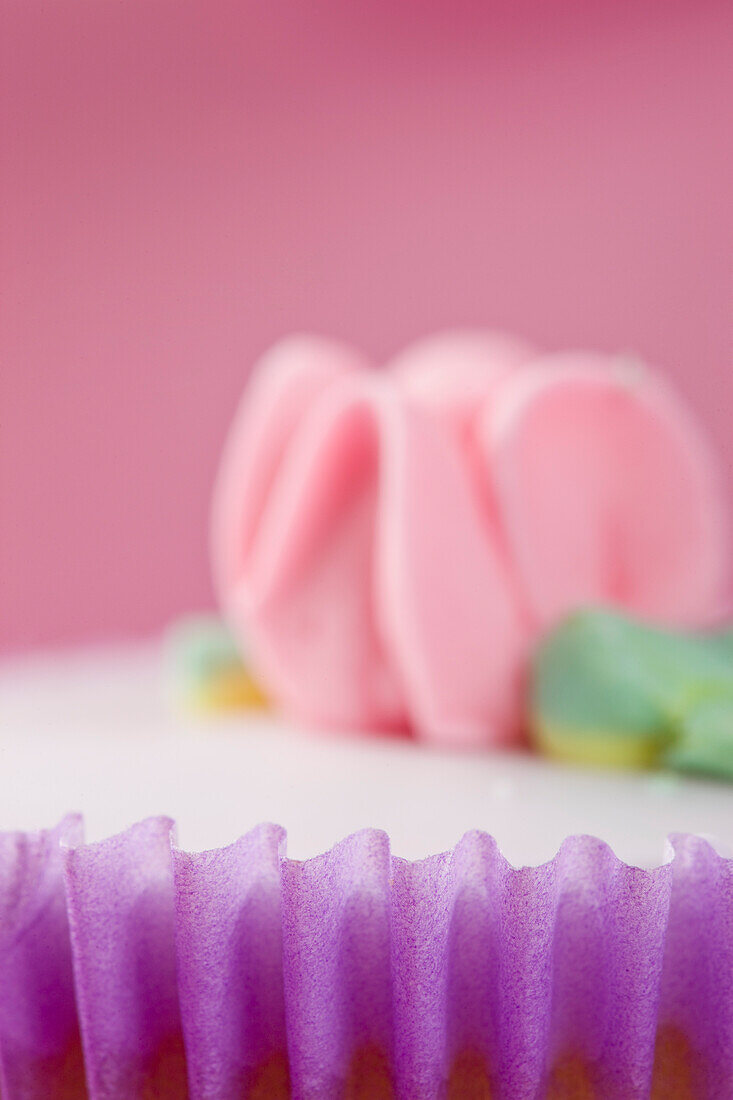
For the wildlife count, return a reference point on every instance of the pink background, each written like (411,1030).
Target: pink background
(183,182)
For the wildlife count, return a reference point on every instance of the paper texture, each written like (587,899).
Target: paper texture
(150,972)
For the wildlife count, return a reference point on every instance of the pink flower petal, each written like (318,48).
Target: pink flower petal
(447,604)
(605,490)
(454,373)
(306,597)
(282,386)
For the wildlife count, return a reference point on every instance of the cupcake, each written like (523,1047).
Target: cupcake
(132,969)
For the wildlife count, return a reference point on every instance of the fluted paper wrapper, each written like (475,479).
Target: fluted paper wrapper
(131,969)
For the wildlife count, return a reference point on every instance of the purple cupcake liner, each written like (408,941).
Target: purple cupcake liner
(131,969)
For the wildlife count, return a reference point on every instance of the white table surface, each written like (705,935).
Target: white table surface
(93,731)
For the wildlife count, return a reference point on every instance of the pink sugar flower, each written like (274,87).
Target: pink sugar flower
(389,543)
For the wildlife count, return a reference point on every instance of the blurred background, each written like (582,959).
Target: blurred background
(184,182)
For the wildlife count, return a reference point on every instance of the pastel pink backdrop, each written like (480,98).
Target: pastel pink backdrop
(183,182)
